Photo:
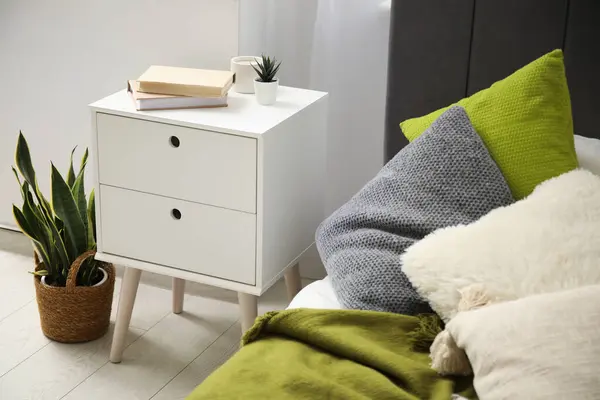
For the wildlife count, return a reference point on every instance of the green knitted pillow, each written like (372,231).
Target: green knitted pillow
(524,120)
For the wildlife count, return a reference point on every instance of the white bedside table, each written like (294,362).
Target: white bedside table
(230,197)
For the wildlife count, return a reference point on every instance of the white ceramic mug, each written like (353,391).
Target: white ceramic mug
(244,73)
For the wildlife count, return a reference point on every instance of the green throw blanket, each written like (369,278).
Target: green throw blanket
(331,354)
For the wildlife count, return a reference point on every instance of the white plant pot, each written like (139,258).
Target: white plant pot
(244,73)
(266,92)
(104,278)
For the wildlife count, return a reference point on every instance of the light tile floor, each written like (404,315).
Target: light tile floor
(166,357)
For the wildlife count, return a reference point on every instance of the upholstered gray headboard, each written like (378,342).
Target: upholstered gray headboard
(444,50)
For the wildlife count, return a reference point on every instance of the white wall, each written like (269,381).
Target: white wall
(284,29)
(339,46)
(58,56)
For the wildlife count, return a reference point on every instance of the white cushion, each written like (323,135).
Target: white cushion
(588,153)
(318,294)
(540,347)
(546,242)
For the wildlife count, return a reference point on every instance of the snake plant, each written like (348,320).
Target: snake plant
(61,228)
(266,68)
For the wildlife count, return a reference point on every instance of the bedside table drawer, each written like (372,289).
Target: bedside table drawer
(190,164)
(194,237)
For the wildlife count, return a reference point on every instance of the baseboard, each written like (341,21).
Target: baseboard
(9,228)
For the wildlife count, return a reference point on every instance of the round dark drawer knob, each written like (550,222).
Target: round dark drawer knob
(174,141)
(175,213)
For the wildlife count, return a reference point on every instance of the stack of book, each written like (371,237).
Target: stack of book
(166,88)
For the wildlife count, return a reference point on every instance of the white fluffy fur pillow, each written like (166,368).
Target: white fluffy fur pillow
(541,347)
(546,242)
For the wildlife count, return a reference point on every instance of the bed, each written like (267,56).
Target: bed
(318,294)
(427,71)
(441,51)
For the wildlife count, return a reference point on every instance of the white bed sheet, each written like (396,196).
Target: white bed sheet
(318,294)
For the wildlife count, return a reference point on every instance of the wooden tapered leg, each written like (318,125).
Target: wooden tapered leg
(178,292)
(248,309)
(292,281)
(129,287)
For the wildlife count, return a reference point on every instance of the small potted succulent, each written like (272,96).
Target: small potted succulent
(265,85)
(74,292)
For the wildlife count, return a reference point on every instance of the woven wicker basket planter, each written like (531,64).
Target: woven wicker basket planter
(73,314)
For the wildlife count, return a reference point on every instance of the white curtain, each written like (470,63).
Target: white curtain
(339,46)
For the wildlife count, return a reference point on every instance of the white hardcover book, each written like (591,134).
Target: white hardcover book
(149,101)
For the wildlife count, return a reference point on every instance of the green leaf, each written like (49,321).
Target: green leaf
(39,221)
(78,192)
(258,70)
(52,224)
(45,204)
(87,272)
(26,229)
(65,208)
(33,221)
(91,211)
(54,248)
(71,172)
(23,224)
(82,275)
(25,190)
(55,263)
(16,175)
(83,160)
(41,272)
(59,245)
(275,71)
(23,160)
(42,253)
(58,254)
(93,272)
(60,227)
(45,208)
(266,68)
(37,210)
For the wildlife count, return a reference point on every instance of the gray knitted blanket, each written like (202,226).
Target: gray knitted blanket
(445,177)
